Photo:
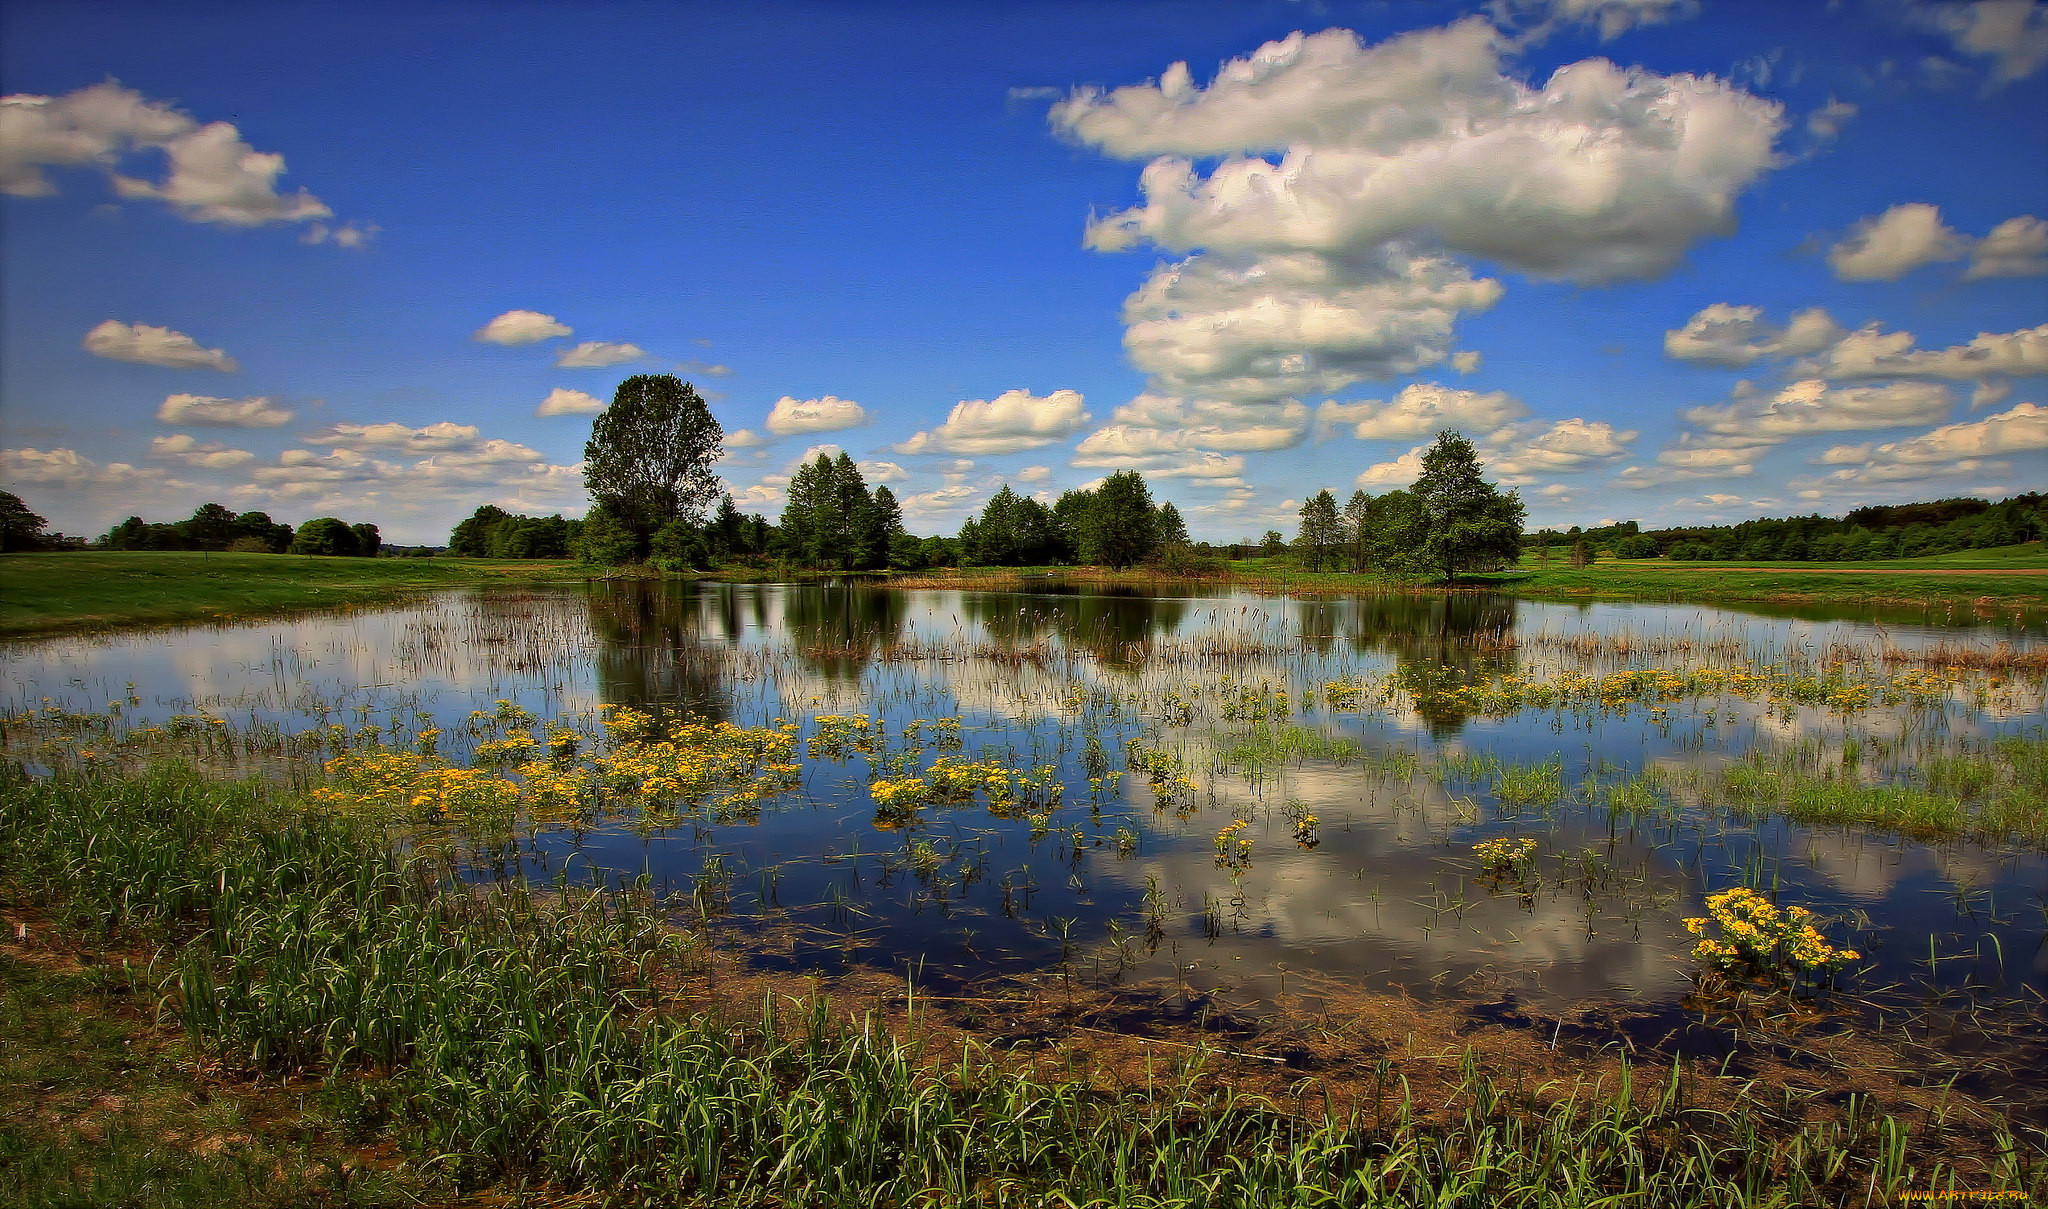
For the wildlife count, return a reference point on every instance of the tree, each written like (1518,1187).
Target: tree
(1322,534)
(886,533)
(1272,543)
(1122,526)
(258,527)
(1471,525)
(1357,533)
(211,527)
(368,540)
(1173,531)
(605,540)
(1396,535)
(326,535)
(20,529)
(472,537)
(648,461)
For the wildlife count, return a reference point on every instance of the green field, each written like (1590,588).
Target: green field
(102,590)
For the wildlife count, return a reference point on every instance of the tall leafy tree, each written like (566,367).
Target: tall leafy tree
(1356,519)
(885,529)
(1173,531)
(648,461)
(20,529)
(1471,524)
(1123,527)
(1322,533)
(326,535)
(210,527)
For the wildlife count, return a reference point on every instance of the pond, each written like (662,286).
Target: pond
(1255,800)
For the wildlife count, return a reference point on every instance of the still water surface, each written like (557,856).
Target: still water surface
(1122,884)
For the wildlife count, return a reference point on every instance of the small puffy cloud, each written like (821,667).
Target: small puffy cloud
(1465,362)
(1989,394)
(1420,409)
(1035,474)
(1401,472)
(1011,422)
(1873,352)
(1520,453)
(1214,424)
(66,468)
(2013,34)
(745,438)
(444,435)
(1731,337)
(828,414)
(943,501)
(2017,247)
(1601,174)
(596,354)
(208,412)
(148,345)
(213,177)
(208,455)
(348,235)
(1826,123)
(1612,18)
(494,452)
(882,472)
(520,327)
(562,401)
(1896,242)
(1263,328)
(1812,406)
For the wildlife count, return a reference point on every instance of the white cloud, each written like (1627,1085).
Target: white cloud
(1261,328)
(1013,421)
(1894,243)
(1838,455)
(1611,17)
(596,354)
(745,438)
(882,472)
(206,411)
(2017,247)
(444,435)
(67,468)
(828,414)
(1989,394)
(1212,424)
(942,502)
(520,327)
(1734,336)
(1812,406)
(1401,472)
(493,452)
(1465,362)
(1826,123)
(1875,353)
(1601,174)
(1421,409)
(148,345)
(703,369)
(1035,474)
(348,235)
(2011,33)
(562,401)
(214,176)
(1520,453)
(209,455)
(1952,449)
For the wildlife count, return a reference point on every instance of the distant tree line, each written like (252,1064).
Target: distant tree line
(215,527)
(1113,525)
(1876,532)
(492,532)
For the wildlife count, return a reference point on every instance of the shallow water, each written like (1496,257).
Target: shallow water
(1118,883)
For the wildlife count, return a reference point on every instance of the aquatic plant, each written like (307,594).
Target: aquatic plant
(1757,936)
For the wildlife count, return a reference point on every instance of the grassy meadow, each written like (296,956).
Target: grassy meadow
(106,589)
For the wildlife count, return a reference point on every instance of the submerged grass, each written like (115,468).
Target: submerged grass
(508,1039)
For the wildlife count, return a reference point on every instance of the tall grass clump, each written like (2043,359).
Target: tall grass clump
(507,1037)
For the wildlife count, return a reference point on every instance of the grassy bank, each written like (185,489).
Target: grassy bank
(486,1041)
(1997,579)
(104,590)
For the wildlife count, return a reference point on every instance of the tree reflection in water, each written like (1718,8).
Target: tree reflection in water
(1114,624)
(653,647)
(837,629)
(1439,642)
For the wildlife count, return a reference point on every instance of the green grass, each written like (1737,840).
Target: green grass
(99,590)
(1967,576)
(511,1041)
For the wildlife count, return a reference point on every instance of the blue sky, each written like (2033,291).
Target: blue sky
(1666,260)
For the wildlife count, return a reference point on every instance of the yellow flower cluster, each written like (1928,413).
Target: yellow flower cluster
(1755,933)
(1504,856)
(837,734)
(1233,850)
(1008,791)
(690,759)
(405,786)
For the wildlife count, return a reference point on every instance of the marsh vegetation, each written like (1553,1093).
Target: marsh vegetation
(1149,899)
